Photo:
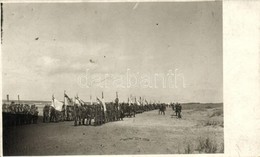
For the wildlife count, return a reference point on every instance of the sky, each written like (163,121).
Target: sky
(129,48)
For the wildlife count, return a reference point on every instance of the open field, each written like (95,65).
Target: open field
(200,130)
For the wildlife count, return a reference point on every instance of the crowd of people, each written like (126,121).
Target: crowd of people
(95,114)
(82,114)
(19,114)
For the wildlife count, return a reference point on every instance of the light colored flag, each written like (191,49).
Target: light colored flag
(102,102)
(67,100)
(91,103)
(56,104)
(80,101)
(138,103)
(76,101)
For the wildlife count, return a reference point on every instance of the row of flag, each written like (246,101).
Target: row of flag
(70,101)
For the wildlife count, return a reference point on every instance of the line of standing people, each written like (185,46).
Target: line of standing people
(177,109)
(19,114)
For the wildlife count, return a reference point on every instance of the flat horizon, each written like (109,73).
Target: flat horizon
(4,100)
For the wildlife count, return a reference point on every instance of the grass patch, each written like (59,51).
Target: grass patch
(207,145)
(201,106)
(204,145)
(214,123)
(222,148)
(188,149)
(208,107)
(217,112)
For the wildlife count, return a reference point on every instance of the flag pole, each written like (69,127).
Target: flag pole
(18,99)
(65,108)
(91,99)
(53,97)
(7,97)
(117,100)
(64,97)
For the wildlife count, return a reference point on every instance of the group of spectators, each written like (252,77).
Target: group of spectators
(19,114)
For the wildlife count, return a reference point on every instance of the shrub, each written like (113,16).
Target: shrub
(222,148)
(217,113)
(207,145)
(188,149)
(211,123)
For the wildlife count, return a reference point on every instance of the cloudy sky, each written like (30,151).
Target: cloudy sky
(47,48)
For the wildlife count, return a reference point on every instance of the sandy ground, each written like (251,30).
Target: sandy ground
(147,133)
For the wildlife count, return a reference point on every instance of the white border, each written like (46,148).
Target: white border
(241,33)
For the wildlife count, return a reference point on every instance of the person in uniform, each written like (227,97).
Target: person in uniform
(21,114)
(68,113)
(179,110)
(5,114)
(52,114)
(173,106)
(63,114)
(46,113)
(102,115)
(98,114)
(176,109)
(35,119)
(12,114)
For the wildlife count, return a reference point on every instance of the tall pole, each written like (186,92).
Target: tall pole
(102,95)
(53,97)
(90,99)
(64,97)
(7,97)
(18,99)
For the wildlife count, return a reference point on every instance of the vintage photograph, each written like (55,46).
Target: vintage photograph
(121,78)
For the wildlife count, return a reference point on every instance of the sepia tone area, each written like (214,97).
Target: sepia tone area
(199,131)
(112,78)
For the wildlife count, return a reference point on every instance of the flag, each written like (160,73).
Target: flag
(138,103)
(56,104)
(129,101)
(68,100)
(102,102)
(77,102)
(91,103)
(81,101)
